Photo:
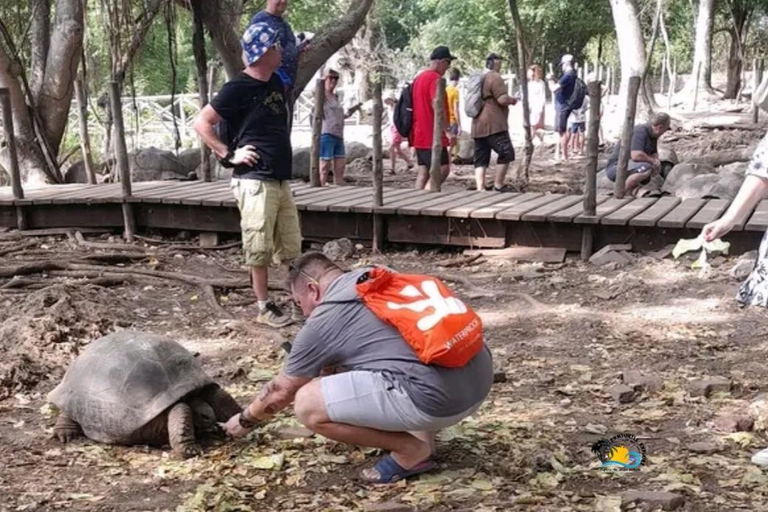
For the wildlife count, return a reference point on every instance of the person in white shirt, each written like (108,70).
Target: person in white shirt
(537,100)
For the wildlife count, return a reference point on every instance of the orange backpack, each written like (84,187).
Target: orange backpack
(439,327)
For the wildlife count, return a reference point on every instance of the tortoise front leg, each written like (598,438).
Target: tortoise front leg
(181,432)
(222,403)
(66,429)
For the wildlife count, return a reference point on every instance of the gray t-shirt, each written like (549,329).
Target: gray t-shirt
(333,116)
(343,333)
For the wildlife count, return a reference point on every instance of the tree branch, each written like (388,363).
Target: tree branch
(139,35)
(41,39)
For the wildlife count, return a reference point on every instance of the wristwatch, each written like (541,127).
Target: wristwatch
(246,420)
(226,161)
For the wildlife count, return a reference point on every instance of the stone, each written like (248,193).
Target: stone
(153,164)
(499,376)
(731,421)
(339,250)
(389,506)
(618,259)
(190,160)
(642,382)
(603,183)
(704,447)
(293,433)
(744,265)
(76,172)
(466,151)
(355,150)
(697,187)
(301,161)
(209,240)
(726,187)
(705,387)
(683,173)
(663,499)
(622,393)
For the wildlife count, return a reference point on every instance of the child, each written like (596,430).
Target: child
(579,127)
(397,139)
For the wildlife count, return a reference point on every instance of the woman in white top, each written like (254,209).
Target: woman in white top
(537,100)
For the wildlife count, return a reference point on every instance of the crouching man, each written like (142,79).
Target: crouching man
(354,378)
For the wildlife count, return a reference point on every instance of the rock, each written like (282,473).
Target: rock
(697,187)
(663,499)
(622,393)
(190,160)
(76,172)
(735,169)
(603,183)
(662,253)
(704,447)
(355,150)
(683,173)
(499,375)
(389,506)
(705,387)
(209,240)
(641,382)
(466,150)
(359,167)
(619,259)
(726,187)
(339,250)
(301,160)
(734,420)
(153,164)
(758,410)
(744,265)
(293,433)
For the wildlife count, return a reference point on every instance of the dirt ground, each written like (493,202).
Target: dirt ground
(563,335)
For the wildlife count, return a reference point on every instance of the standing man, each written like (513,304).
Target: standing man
(491,128)
(644,155)
(353,378)
(254,106)
(563,90)
(423,90)
(452,95)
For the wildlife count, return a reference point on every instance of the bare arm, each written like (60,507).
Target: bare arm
(751,192)
(506,100)
(642,156)
(204,125)
(275,396)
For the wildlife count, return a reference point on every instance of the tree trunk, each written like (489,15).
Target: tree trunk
(201,62)
(703,48)
(646,89)
(41,37)
(523,74)
(740,20)
(631,46)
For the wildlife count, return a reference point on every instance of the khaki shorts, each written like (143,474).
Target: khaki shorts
(269,221)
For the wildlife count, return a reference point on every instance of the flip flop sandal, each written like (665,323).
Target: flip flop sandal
(391,472)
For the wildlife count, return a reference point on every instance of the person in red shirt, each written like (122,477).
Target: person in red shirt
(424,90)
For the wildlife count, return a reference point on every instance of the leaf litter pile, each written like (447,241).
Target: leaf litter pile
(655,349)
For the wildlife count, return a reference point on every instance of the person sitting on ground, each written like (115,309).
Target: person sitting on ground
(491,129)
(644,156)
(385,397)
(332,151)
(563,89)
(537,99)
(454,116)
(254,105)
(423,92)
(396,141)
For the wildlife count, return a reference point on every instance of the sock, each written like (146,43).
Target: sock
(263,304)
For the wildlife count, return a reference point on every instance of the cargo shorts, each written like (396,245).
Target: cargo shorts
(269,221)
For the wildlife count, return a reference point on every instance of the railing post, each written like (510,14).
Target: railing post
(435,170)
(123,165)
(626,137)
(317,128)
(13,157)
(593,149)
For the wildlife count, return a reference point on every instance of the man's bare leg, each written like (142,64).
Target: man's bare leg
(407,449)
(393,158)
(501,175)
(260,282)
(634,181)
(565,140)
(422,178)
(480,178)
(339,166)
(405,156)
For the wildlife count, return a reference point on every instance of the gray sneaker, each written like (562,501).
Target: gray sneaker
(273,316)
(297,315)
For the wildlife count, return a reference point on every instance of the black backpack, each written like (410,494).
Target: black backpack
(404,112)
(576,101)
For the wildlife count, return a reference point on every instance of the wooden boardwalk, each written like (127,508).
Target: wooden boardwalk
(481,219)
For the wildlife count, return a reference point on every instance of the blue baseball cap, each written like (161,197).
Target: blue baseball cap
(258,38)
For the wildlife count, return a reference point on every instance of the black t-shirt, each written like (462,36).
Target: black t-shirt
(642,140)
(267,127)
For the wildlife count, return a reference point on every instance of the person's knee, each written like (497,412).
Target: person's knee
(308,408)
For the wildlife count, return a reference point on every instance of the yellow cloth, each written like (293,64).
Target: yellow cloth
(452,95)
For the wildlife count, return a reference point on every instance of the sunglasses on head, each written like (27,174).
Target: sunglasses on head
(294,268)
(334,78)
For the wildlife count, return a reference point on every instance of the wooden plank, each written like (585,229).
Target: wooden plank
(438,210)
(603,209)
(711,211)
(681,214)
(489,212)
(574,211)
(759,219)
(154,192)
(627,212)
(392,207)
(517,211)
(532,254)
(366,205)
(198,197)
(106,193)
(463,212)
(341,198)
(45,195)
(651,216)
(323,193)
(435,199)
(541,214)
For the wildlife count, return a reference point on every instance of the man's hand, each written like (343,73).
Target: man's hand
(234,429)
(513,102)
(245,155)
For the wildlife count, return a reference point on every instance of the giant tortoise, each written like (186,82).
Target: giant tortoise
(138,388)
